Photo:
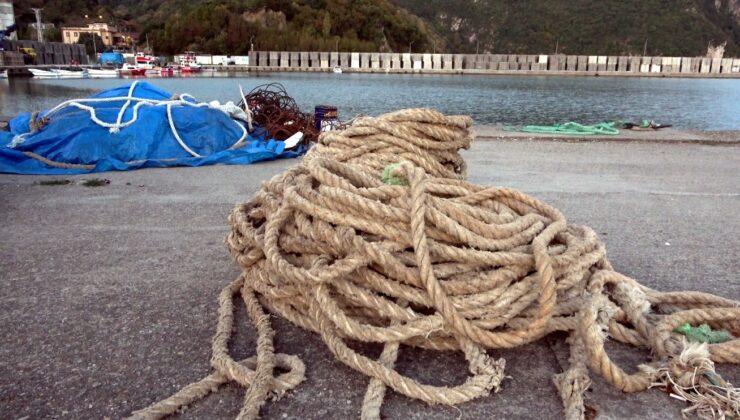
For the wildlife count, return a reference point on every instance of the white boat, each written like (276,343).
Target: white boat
(44,74)
(102,73)
(4,74)
(68,74)
(337,70)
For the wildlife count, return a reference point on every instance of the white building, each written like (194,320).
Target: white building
(7,17)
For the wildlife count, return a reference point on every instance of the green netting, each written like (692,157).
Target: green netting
(571,128)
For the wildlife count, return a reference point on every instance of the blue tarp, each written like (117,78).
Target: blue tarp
(114,58)
(71,136)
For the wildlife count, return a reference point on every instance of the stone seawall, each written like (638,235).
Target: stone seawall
(494,63)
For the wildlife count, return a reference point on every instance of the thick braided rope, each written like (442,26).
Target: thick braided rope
(441,264)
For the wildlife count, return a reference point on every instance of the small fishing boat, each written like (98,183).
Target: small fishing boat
(129,70)
(189,63)
(337,70)
(142,58)
(102,73)
(44,74)
(70,74)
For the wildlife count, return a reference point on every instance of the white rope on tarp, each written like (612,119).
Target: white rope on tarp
(139,102)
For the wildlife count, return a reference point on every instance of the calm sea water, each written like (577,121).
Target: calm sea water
(708,104)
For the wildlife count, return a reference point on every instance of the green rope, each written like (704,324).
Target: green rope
(703,334)
(393,180)
(570,128)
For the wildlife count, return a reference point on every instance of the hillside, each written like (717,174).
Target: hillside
(227,26)
(671,27)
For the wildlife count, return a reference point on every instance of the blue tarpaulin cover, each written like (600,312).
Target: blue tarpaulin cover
(115,58)
(71,136)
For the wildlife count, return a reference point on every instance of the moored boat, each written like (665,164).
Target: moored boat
(144,59)
(4,74)
(189,63)
(129,70)
(70,74)
(102,73)
(44,74)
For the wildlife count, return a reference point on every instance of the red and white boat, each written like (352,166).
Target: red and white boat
(144,59)
(188,63)
(129,70)
(166,72)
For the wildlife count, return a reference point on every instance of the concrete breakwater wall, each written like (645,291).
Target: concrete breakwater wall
(46,53)
(492,63)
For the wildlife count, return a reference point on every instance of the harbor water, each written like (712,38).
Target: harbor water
(700,104)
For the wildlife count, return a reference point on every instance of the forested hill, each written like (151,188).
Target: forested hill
(619,27)
(671,27)
(228,26)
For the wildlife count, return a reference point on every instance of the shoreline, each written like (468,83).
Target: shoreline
(487,132)
(22,71)
(670,135)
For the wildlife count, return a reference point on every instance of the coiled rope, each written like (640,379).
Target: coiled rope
(443,264)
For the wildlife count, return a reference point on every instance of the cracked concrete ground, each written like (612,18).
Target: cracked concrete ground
(108,294)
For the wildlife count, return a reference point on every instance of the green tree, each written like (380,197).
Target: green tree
(53,35)
(326,25)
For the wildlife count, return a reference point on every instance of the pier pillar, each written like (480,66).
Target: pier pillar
(406,59)
(582,63)
(521,62)
(295,60)
(274,59)
(611,63)
(571,62)
(375,60)
(458,61)
(623,63)
(395,61)
(593,61)
(385,61)
(447,63)
(685,64)
(364,60)
(284,59)
(252,58)
(314,59)
(706,64)
(437,61)
(726,66)
(344,60)
(645,63)
(355,60)
(736,65)
(601,63)
(716,64)
(416,60)
(324,60)
(304,59)
(542,63)
(426,61)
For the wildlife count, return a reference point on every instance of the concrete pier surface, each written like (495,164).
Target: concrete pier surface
(108,295)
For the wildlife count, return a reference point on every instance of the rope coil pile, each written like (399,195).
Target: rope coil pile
(442,264)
